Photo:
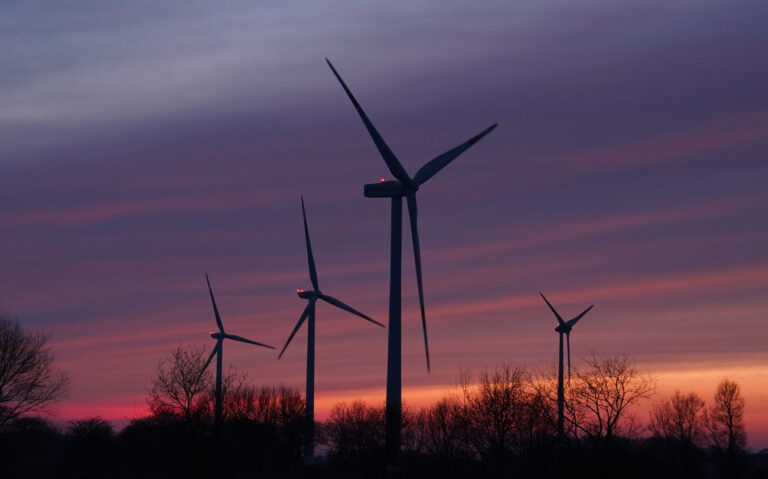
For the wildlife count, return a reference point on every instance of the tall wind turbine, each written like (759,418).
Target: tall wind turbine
(402,186)
(217,351)
(309,316)
(563,327)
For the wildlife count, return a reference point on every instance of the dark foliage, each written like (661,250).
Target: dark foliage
(90,448)
(29,447)
(501,427)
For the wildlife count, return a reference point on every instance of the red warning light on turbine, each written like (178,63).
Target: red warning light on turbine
(382,179)
(299,290)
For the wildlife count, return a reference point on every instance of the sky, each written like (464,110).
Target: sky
(143,144)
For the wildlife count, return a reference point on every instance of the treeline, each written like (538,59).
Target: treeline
(502,425)
(264,439)
(505,425)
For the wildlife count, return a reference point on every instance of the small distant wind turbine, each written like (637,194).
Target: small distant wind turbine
(309,316)
(563,327)
(217,351)
(403,186)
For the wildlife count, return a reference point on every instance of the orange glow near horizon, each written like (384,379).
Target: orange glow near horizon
(700,379)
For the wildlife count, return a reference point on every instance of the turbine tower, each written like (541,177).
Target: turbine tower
(309,316)
(220,336)
(563,327)
(402,186)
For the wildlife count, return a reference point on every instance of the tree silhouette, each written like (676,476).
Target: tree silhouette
(355,435)
(600,397)
(28,381)
(28,447)
(91,447)
(179,388)
(503,425)
(679,423)
(725,425)
(498,408)
(679,418)
(725,418)
(446,429)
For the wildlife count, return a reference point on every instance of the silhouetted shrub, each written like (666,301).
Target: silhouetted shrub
(29,447)
(90,447)
(265,428)
(164,445)
(354,434)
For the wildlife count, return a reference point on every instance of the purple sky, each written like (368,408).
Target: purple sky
(142,145)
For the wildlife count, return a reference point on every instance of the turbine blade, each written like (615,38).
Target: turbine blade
(413,214)
(246,340)
(210,358)
(389,158)
(559,319)
(335,302)
(577,318)
(310,258)
(568,340)
(298,325)
(438,163)
(215,309)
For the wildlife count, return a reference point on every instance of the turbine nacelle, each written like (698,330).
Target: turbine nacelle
(563,328)
(216,335)
(386,189)
(307,294)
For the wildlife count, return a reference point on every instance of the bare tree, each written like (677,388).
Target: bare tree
(271,417)
(601,396)
(538,426)
(28,381)
(543,383)
(499,407)
(355,430)
(725,418)
(446,429)
(236,390)
(240,402)
(179,388)
(266,406)
(279,406)
(679,418)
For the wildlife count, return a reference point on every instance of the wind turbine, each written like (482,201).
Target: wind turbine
(220,336)
(309,316)
(563,327)
(402,186)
